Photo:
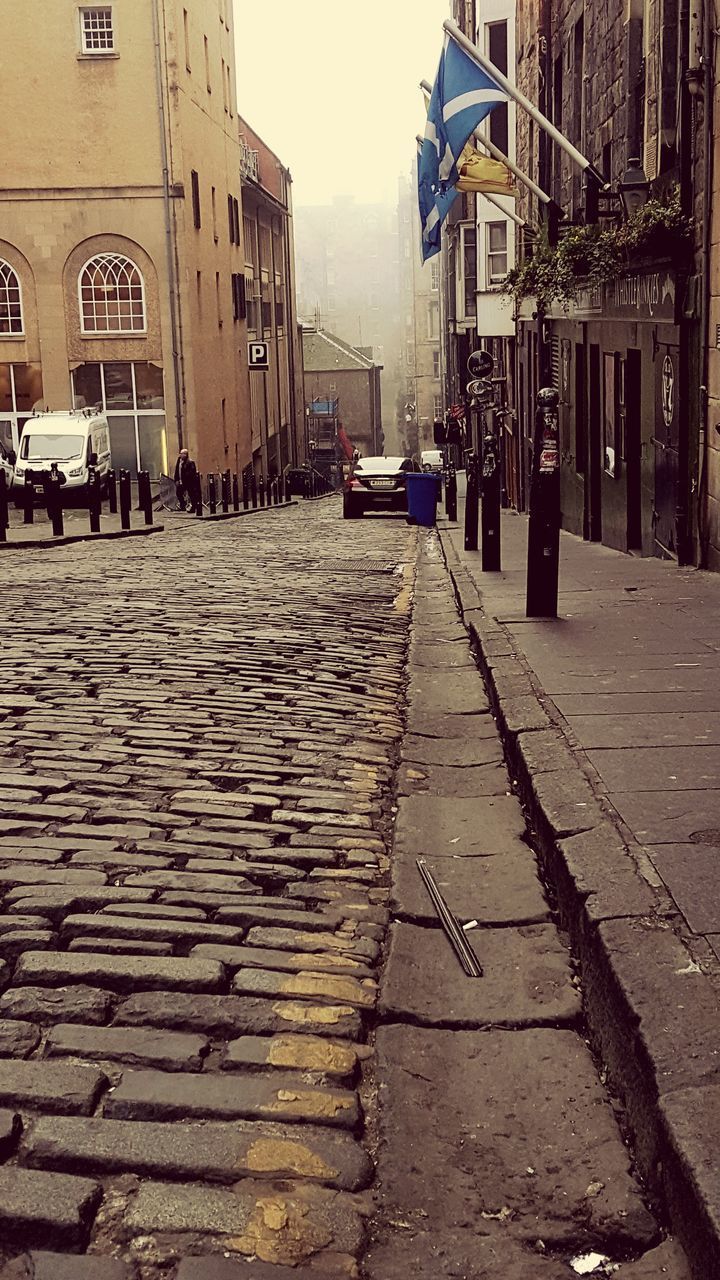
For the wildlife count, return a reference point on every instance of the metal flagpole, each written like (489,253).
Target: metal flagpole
(514,217)
(497,154)
(512,90)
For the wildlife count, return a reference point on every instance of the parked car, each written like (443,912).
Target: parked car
(376,484)
(71,438)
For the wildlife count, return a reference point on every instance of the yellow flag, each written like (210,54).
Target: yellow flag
(481,173)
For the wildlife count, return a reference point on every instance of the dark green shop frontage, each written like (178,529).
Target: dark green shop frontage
(614,359)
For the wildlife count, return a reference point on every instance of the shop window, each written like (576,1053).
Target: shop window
(132,396)
(20,390)
(609,420)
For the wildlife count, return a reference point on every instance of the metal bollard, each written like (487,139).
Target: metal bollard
(112,493)
(235,493)
(261,491)
(28,501)
(4,513)
(270,490)
(490,492)
(281,490)
(225,492)
(471,504)
(145,496)
(125,499)
(212,494)
(543,554)
(198,495)
(53,498)
(451,495)
(254,490)
(245,493)
(93,499)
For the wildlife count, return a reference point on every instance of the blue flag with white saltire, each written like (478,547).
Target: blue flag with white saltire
(462,96)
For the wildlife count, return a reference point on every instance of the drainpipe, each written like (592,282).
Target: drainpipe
(701,84)
(170,236)
(688,323)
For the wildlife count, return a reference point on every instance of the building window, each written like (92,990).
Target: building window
(436,364)
(250,301)
(224,84)
(112,296)
(96,30)
(195,189)
(11,318)
(238,296)
(217,299)
(207,65)
(435,274)
(186,32)
(132,397)
(433,320)
(213,206)
(438,406)
(496,252)
(497,52)
(228,71)
(233,220)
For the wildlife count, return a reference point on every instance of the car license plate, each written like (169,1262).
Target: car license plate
(382,484)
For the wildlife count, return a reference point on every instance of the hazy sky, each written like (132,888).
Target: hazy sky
(332,87)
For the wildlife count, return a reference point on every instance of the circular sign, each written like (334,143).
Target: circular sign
(480,364)
(668,391)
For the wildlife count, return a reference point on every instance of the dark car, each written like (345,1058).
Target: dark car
(376,484)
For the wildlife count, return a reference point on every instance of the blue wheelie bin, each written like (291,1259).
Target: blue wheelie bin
(422,492)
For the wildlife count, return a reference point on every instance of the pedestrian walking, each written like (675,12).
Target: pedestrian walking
(185,481)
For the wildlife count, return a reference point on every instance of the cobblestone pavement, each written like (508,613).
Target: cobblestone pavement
(197,734)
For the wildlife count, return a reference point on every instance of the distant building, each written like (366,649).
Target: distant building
(338,372)
(419,398)
(347,274)
(121,226)
(276,396)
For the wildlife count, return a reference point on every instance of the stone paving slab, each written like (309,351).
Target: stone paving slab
(46,1208)
(439,825)
(461,752)
(521,1127)
(504,889)
(57,1266)
(469,781)
(527,979)
(237,1015)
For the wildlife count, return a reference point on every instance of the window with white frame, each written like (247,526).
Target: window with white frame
(97,34)
(433,320)
(435,274)
(497,260)
(11,317)
(438,406)
(112,296)
(436,364)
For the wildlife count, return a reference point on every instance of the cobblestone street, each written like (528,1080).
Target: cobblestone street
(197,735)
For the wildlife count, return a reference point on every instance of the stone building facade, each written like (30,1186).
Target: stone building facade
(276,394)
(117,245)
(627,358)
(338,374)
(419,397)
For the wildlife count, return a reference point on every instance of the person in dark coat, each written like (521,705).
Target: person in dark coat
(185,481)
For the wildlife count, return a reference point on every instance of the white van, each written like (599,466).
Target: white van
(69,438)
(431,460)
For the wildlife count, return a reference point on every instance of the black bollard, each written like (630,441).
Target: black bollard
(198,495)
(451,495)
(270,491)
(490,491)
(235,493)
(544,524)
(4,513)
(125,499)
(28,501)
(145,496)
(254,490)
(212,494)
(53,499)
(261,491)
(93,499)
(112,493)
(245,493)
(281,489)
(471,503)
(225,492)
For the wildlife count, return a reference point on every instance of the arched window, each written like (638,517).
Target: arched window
(11,320)
(112,295)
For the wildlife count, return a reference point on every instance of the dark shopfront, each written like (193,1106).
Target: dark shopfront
(614,360)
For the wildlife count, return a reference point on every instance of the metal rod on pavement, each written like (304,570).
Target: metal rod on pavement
(225,491)
(198,495)
(254,490)
(491,489)
(212,494)
(93,499)
(235,493)
(112,493)
(261,491)
(450,923)
(451,494)
(245,493)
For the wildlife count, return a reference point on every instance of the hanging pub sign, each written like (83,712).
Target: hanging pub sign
(480,364)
